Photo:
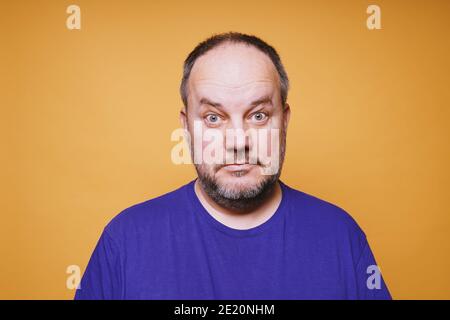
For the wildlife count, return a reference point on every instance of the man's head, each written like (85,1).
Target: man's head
(236,84)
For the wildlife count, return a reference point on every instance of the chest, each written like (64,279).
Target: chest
(272,267)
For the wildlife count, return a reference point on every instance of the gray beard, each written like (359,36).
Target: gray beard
(241,201)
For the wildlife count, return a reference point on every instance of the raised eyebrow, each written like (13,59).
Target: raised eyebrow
(262,100)
(209,102)
(257,102)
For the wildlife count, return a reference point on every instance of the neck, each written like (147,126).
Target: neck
(241,219)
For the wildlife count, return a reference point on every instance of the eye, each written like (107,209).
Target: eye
(259,116)
(212,118)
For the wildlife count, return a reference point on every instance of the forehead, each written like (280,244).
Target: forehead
(233,72)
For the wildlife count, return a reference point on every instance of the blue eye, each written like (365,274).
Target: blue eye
(259,116)
(213,118)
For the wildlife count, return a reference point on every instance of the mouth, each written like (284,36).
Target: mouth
(238,167)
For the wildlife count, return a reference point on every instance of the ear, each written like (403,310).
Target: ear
(286,115)
(183,118)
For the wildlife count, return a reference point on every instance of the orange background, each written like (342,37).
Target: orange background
(86,118)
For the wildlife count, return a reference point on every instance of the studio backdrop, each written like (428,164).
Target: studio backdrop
(89,96)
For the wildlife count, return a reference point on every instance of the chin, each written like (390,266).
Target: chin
(237,182)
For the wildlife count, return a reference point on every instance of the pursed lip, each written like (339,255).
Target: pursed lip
(238,167)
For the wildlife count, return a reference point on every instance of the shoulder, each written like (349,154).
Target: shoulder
(320,214)
(150,213)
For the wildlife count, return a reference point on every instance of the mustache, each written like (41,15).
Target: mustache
(235,160)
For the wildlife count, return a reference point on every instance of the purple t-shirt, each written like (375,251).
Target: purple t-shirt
(170,247)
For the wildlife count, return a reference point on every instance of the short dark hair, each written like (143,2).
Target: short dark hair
(233,37)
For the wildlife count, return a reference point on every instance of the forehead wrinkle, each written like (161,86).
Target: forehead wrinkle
(233,66)
(206,81)
(216,91)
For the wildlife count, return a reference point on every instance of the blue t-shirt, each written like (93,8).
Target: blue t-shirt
(170,247)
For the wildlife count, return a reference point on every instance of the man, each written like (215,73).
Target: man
(237,231)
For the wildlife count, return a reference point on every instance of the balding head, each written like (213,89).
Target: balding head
(223,40)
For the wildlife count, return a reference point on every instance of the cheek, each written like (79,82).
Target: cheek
(268,140)
(212,146)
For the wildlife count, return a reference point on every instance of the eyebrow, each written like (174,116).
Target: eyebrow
(265,99)
(209,102)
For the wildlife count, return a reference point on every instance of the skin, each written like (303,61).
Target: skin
(235,76)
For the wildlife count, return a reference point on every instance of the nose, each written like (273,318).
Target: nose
(237,143)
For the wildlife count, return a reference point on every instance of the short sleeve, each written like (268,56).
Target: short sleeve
(370,283)
(102,277)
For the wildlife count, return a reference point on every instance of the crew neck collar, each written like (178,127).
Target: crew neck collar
(205,216)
